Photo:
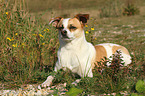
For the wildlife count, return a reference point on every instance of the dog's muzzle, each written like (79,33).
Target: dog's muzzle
(64,34)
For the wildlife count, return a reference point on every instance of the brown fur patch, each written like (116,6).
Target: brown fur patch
(55,21)
(78,32)
(59,24)
(123,49)
(100,53)
(75,22)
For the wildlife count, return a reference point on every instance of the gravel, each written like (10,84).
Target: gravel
(31,90)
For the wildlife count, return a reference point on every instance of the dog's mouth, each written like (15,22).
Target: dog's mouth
(66,38)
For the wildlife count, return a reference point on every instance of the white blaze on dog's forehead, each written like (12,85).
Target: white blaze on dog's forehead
(65,22)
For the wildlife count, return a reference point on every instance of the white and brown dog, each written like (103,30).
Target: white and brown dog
(75,52)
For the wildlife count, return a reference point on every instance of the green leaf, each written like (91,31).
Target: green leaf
(74,91)
(134,94)
(140,86)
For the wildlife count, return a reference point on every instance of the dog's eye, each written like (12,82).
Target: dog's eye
(60,27)
(72,27)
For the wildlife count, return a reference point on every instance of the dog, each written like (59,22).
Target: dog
(75,53)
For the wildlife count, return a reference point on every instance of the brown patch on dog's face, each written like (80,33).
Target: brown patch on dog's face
(74,24)
(60,24)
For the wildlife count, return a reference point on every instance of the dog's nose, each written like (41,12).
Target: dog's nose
(64,33)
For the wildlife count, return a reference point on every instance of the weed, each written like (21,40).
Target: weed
(130,10)
(23,45)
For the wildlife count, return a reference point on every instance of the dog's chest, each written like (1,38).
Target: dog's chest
(69,58)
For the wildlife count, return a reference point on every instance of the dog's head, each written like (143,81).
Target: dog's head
(70,28)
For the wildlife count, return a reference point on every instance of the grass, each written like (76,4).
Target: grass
(29,45)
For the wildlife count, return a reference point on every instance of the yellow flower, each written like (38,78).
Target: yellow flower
(9,39)
(95,38)
(23,44)
(47,29)
(14,45)
(41,35)
(92,28)
(43,43)
(7,13)
(16,34)
(44,30)
(86,25)
(34,34)
(87,32)
(12,39)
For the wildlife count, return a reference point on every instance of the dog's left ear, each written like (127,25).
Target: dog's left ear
(55,21)
(83,18)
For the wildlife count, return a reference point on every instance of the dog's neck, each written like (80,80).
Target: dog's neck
(73,44)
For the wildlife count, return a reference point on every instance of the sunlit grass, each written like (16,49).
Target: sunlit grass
(26,46)
(29,45)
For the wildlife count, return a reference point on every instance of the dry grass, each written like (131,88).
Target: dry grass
(29,45)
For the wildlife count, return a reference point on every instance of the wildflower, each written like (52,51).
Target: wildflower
(12,39)
(7,13)
(92,29)
(41,35)
(95,38)
(47,29)
(9,39)
(14,45)
(34,34)
(43,43)
(86,25)
(44,30)
(23,44)
(87,32)
(16,34)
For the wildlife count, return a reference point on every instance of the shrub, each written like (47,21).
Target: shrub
(130,9)
(140,86)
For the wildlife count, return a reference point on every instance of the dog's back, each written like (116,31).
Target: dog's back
(108,49)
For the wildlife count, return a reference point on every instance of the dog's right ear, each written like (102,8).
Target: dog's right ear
(83,18)
(55,21)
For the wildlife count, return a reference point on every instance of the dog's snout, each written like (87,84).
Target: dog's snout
(64,32)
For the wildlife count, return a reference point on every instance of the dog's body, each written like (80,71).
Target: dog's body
(75,52)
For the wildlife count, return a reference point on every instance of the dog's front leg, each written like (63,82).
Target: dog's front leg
(47,82)
(49,79)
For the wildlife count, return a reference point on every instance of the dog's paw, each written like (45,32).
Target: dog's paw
(46,83)
(76,82)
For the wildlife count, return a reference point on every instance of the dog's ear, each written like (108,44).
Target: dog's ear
(83,18)
(55,21)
